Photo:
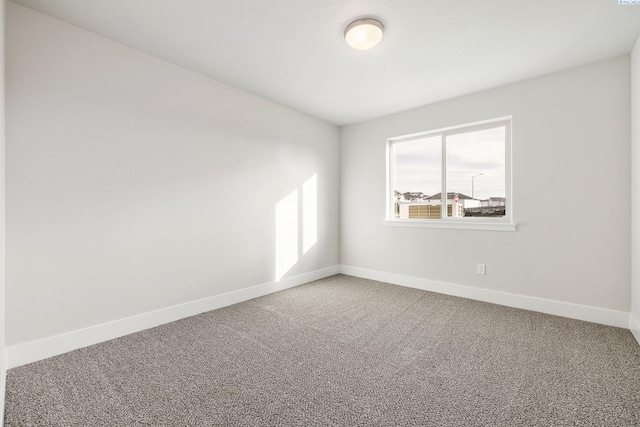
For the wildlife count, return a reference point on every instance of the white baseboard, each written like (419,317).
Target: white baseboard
(634,326)
(21,354)
(574,311)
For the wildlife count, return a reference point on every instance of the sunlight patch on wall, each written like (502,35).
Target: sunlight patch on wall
(309,213)
(286,234)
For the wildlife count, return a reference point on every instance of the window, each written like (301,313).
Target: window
(457,177)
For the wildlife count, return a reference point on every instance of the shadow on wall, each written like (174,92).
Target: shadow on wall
(288,226)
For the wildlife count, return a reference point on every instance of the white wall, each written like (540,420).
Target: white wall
(134,184)
(570,143)
(634,322)
(2,214)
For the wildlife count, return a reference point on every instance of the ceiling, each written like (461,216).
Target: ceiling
(293,52)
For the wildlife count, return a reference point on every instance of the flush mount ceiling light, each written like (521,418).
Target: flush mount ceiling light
(364,34)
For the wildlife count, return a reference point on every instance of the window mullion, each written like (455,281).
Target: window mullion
(443,167)
(391,178)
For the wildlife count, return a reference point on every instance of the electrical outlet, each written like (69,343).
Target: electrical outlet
(482,268)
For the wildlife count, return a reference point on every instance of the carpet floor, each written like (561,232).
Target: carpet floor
(342,351)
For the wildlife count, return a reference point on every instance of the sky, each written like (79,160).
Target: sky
(418,164)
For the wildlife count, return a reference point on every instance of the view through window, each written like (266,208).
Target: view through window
(453,174)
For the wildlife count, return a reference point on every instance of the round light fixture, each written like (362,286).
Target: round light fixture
(364,34)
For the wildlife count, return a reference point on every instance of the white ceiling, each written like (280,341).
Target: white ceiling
(293,51)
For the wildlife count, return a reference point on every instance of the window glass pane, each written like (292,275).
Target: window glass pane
(417,179)
(476,173)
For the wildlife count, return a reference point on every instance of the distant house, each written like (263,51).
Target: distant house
(463,200)
(431,207)
(415,205)
(414,196)
(496,201)
(451,196)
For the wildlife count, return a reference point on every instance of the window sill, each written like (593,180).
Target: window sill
(456,225)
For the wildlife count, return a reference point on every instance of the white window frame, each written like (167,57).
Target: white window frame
(505,223)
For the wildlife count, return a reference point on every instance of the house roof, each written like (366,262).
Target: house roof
(450,196)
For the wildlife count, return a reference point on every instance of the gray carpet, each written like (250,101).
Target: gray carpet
(342,351)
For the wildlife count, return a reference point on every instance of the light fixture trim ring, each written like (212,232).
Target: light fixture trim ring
(364,40)
(364,21)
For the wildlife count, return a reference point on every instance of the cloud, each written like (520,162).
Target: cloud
(418,164)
